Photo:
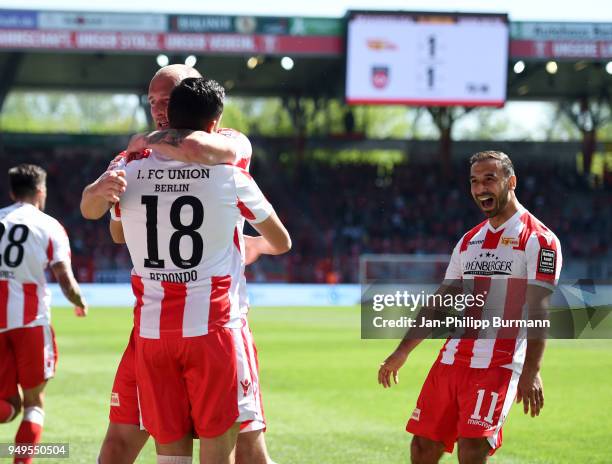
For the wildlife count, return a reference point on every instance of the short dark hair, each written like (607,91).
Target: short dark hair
(195,102)
(26,179)
(500,156)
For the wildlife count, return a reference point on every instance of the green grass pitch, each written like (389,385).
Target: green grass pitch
(321,397)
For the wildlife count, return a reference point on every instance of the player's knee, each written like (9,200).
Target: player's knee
(472,451)
(424,451)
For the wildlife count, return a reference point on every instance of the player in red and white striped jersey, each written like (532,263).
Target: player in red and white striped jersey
(124,439)
(512,262)
(186,302)
(30,241)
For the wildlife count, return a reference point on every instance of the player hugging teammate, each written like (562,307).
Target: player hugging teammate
(187,235)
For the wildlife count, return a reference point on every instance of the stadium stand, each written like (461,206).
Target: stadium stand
(338,212)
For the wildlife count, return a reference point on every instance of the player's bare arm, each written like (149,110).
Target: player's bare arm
(255,247)
(116,231)
(530,388)
(414,336)
(98,196)
(70,288)
(187,146)
(275,239)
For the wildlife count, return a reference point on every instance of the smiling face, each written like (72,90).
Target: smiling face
(160,89)
(491,189)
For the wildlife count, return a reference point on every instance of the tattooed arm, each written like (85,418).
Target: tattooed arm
(187,146)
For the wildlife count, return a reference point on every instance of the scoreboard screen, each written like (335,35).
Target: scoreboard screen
(426,59)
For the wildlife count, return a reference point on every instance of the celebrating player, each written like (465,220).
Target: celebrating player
(513,262)
(124,438)
(187,318)
(30,240)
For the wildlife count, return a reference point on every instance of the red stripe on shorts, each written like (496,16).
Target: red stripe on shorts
(3,304)
(30,303)
(219,312)
(172,307)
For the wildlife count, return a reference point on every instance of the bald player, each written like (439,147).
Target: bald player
(124,438)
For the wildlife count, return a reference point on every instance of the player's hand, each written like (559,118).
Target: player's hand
(110,185)
(391,366)
(530,392)
(80,311)
(252,250)
(137,143)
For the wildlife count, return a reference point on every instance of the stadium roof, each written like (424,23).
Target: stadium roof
(117,52)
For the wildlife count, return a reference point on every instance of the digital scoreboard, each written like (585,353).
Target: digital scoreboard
(426,59)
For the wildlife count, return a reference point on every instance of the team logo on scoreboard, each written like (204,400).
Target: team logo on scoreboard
(380,76)
(381,44)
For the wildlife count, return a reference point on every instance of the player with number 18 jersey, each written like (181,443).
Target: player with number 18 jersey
(179,223)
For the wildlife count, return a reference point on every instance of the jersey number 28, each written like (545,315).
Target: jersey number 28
(17,235)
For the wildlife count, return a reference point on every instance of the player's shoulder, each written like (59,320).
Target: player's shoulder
(5,211)
(536,231)
(244,149)
(465,239)
(231,133)
(47,224)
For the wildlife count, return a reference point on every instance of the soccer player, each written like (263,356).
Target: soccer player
(124,438)
(30,240)
(513,262)
(179,222)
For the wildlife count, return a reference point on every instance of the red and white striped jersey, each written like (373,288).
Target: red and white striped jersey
(499,264)
(30,240)
(180,223)
(244,153)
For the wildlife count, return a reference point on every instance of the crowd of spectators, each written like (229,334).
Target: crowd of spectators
(335,213)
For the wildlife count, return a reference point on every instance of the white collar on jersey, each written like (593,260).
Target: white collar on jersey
(519,212)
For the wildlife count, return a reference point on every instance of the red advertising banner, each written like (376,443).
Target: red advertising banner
(548,49)
(178,42)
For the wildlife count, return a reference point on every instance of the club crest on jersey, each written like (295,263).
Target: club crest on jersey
(380,76)
(246,384)
(509,241)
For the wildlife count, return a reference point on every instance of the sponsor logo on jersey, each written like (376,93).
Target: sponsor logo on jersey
(476,242)
(416,414)
(488,264)
(246,384)
(509,241)
(115,399)
(546,261)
